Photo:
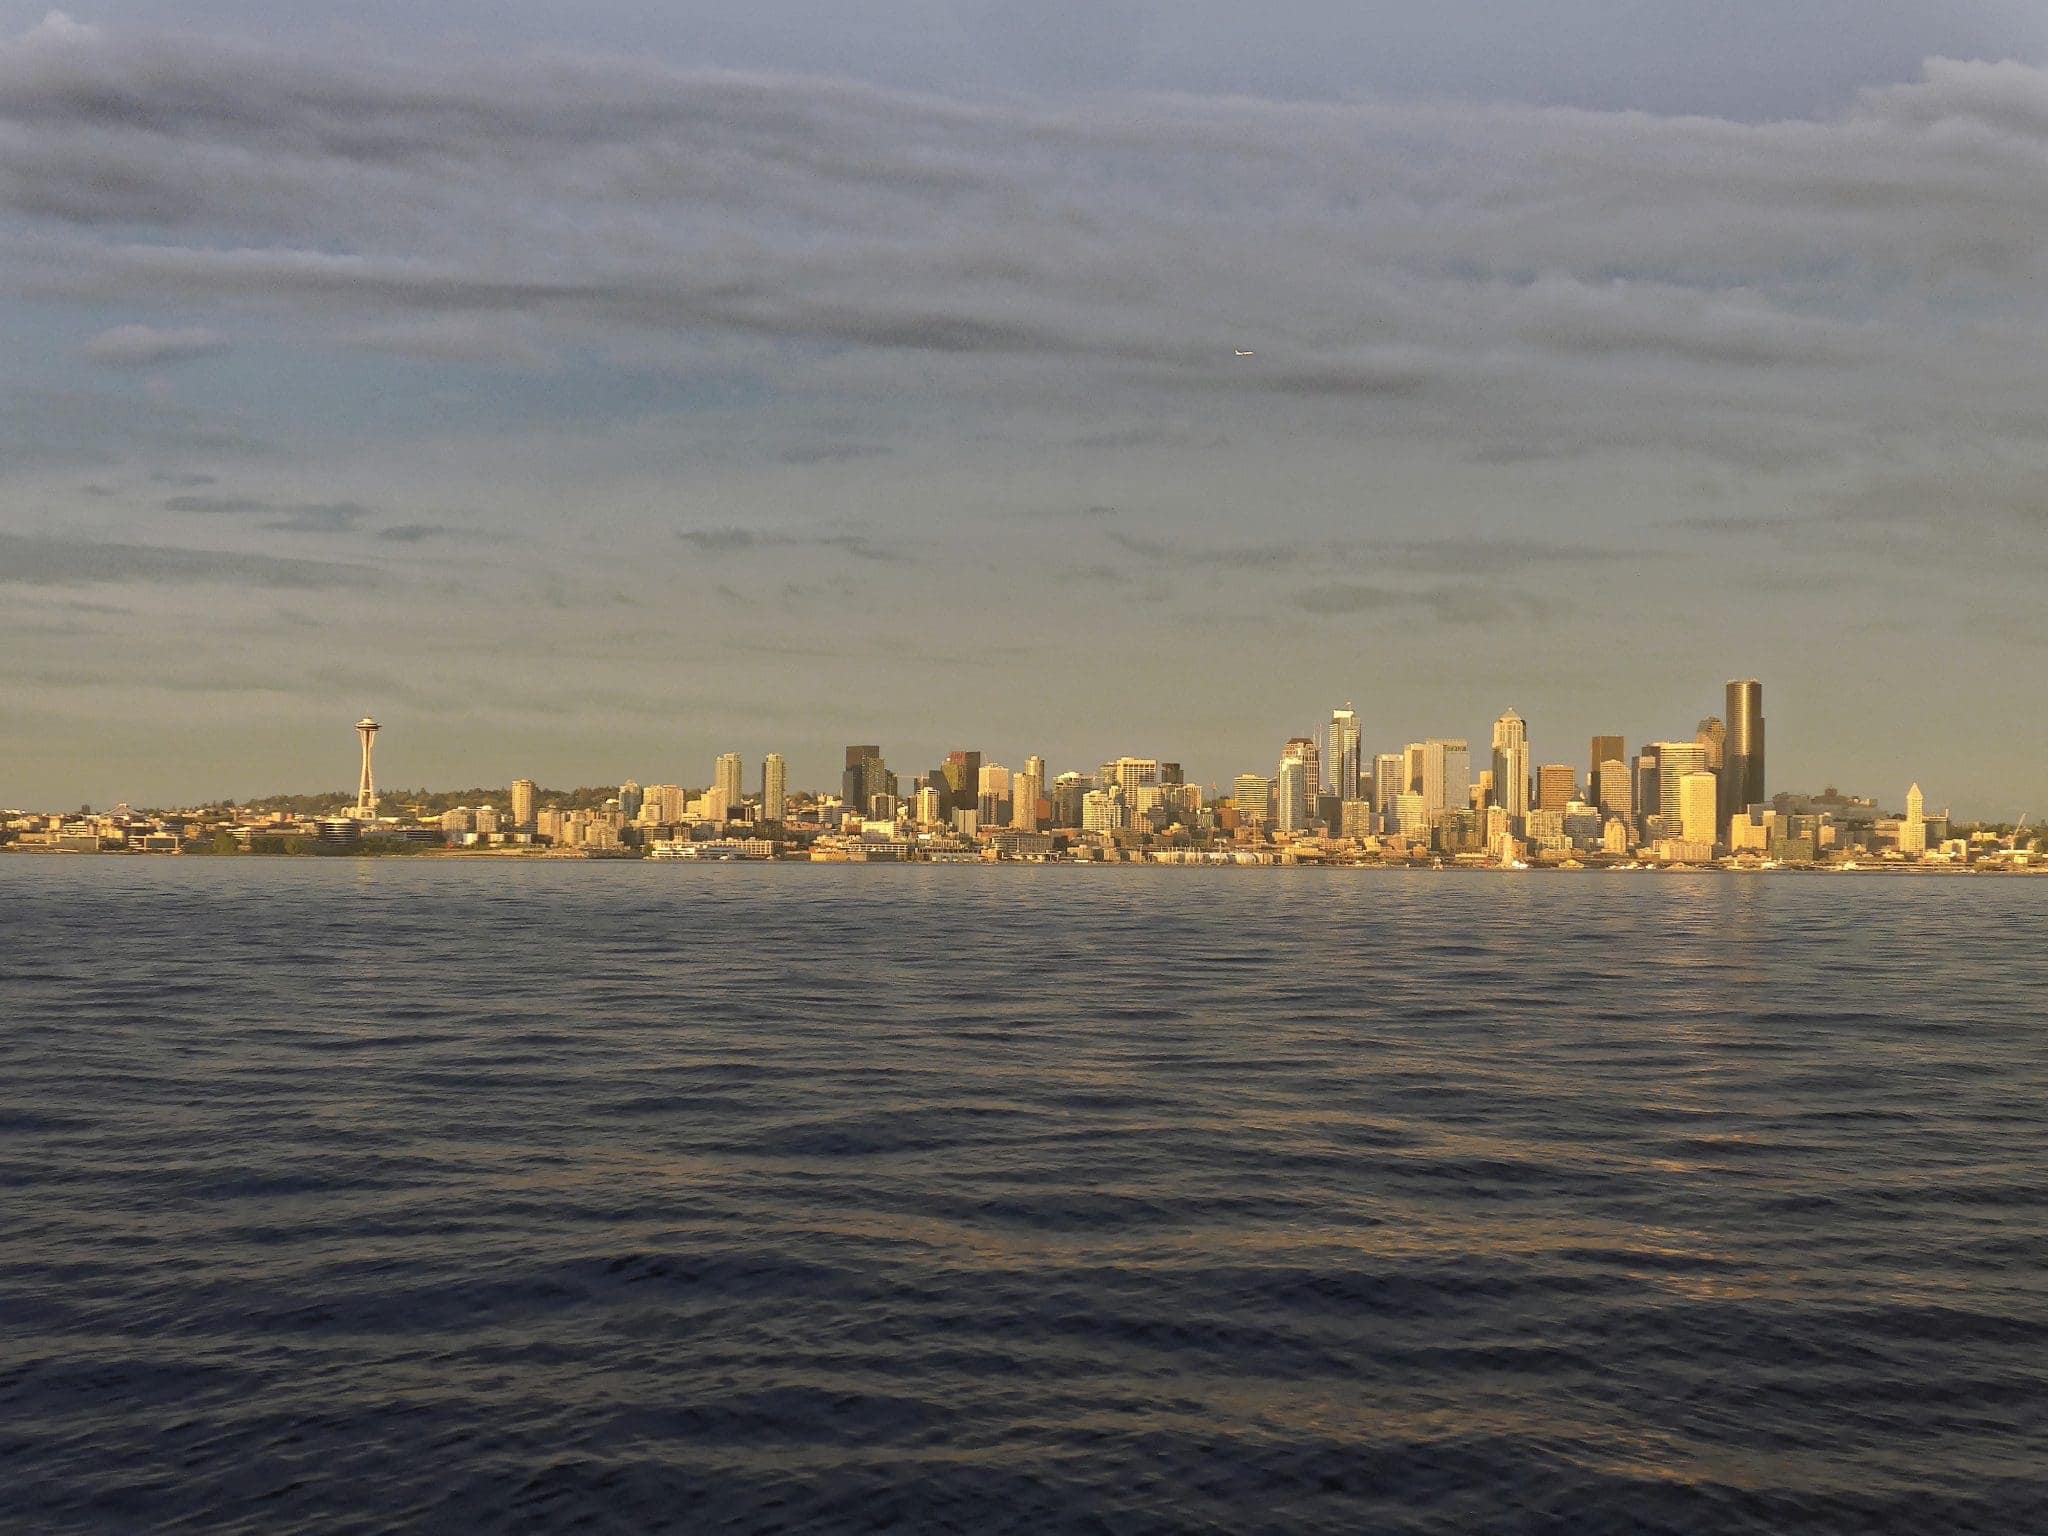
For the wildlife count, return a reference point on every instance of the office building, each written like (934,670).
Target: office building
(1345,758)
(1511,766)
(1253,795)
(1387,781)
(1675,760)
(1699,807)
(1742,766)
(1606,749)
(1446,776)
(1617,800)
(1290,794)
(631,798)
(1713,735)
(1913,830)
(1556,786)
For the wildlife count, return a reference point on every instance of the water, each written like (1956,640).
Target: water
(356,1195)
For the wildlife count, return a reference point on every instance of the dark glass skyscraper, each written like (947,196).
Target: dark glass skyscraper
(1742,762)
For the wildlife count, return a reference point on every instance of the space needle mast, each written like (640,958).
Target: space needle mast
(366,791)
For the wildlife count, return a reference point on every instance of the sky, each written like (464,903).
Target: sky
(587,391)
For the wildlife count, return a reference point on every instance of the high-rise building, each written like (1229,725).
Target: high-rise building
(1067,793)
(727,790)
(1026,790)
(1388,784)
(1511,765)
(1676,759)
(1646,792)
(1606,749)
(1913,830)
(1345,759)
(931,805)
(774,787)
(631,797)
(1742,767)
(1446,776)
(1712,735)
(1290,794)
(1311,756)
(1698,806)
(1556,786)
(1616,799)
(366,786)
(1131,774)
(854,790)
(958,781)
(1253,794)
(523,792)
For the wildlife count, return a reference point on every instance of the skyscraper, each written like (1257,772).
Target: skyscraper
(727,789)
(1446,776)
(366,786)
(1026,790)
(1556,785)
(630,799)
(1253,794)
(774,786)
(1676,759)
(1698,803)
(523,792)
(1305,748)
(1712,735)
(1742,767)
(1389,781)
(855,778)
(1290,795)
(1344,753)
(1616,798)
(1511,765)
(1606,749)
(959,782)
(1913,830)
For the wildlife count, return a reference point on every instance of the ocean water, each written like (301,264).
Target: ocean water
(368,1195)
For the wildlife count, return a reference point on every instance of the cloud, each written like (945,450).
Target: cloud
(142,346)
(1448,605)
(278,516)
(45,561)
(715,542)
(1560,279)
(833,453)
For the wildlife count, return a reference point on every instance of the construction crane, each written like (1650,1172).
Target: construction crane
(2012,843)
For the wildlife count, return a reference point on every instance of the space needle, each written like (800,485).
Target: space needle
(366,791)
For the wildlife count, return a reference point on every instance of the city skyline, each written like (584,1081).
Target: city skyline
(674,380)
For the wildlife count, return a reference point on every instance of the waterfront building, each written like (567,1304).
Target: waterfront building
(1511,766)
(1742,768)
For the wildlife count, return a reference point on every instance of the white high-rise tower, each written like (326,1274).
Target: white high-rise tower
(366,788)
